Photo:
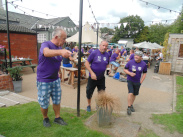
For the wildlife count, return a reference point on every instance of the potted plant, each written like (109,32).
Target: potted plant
(106,103)
(17,78)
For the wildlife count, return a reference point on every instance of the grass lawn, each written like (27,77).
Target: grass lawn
(173,122)
(26,121)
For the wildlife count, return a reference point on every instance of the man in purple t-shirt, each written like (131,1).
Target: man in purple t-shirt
(131,55)
(99,60)
(48,75)
(123,52)
(116,55)
(134,68)
(75,49)
(91,50)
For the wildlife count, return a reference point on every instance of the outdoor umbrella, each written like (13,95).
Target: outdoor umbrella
(157,46)
(145,45)
(88,35)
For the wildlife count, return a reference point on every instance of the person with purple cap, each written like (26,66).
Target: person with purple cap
(115,56)
(49,74)
(136,70)
(131,55)
(99,60)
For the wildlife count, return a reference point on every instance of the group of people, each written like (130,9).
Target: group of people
(49,73)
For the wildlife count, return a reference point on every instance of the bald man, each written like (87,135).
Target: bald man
(96,64)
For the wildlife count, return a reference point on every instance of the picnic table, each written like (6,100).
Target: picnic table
(70,80)
(22,62)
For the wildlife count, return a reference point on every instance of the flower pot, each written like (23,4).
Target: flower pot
(17,86)
(104,116)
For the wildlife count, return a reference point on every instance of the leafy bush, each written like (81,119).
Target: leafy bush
(15,73)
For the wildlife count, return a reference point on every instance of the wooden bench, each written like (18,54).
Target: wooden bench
(31,66)
(70,80)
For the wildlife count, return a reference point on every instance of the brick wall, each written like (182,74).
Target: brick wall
(6,82)
(22,45)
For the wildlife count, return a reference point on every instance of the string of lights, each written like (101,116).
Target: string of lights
(160,7)
(16,6)
(92,12)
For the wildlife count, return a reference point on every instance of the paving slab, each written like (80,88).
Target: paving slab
(120,127)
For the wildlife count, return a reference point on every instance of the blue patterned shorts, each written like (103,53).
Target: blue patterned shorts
(47,89)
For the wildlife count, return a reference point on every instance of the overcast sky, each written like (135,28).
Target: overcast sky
(106,11)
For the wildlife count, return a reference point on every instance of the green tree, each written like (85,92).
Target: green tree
(143,36)
(157,32)
(133,28)
(107,30)
(177,25)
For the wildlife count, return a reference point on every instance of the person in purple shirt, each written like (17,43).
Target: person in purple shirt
(134,69)
(99,60)
(131,55)
(116,55)
(49,74)
(75,49)
(91,50)
(123,52)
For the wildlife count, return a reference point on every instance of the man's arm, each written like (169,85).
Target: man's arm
(51,53)
(87,65)
(119,55)
(129,73)
(108,66)
(143,77)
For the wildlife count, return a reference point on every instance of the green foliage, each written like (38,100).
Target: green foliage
(173,122)
(177,25)
(26,121)
(107,30)
(143,36)
(157,33)
(15,73)
(133,28)
(166,46)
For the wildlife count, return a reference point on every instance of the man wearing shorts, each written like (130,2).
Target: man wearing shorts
(113,59)
(134,68)
(48,79)
(99,60)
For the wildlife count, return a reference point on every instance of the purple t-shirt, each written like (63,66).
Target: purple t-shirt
(122,51)
(113,57)
(110,52)
(131,56)
(91,50)
(48,67)
(74,50)
(140,67)
(98,62)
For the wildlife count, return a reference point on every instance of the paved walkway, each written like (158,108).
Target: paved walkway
(156,96)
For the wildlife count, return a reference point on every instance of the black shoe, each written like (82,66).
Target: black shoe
(60,121)
(129,111)
(46,122)
(132,109)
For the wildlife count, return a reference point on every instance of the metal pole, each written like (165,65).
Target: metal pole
(97,34)
(8,35)
(79,58)
(37,46)
(5,61)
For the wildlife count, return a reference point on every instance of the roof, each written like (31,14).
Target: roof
(27,20)
(16,28)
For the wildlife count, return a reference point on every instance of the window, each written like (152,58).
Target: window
(41,38)
(181,51)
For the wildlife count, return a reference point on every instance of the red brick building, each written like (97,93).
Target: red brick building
(23,41)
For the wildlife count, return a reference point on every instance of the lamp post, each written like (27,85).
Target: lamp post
(8,34)
(79,58)
(97,34)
